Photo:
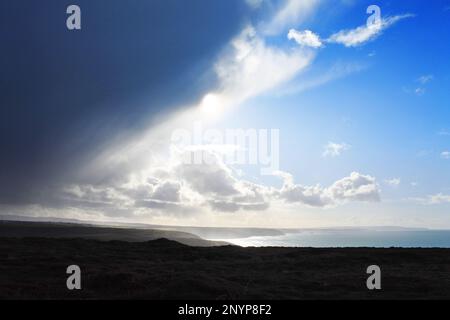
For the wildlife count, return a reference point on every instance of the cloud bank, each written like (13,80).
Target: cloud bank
(178,188)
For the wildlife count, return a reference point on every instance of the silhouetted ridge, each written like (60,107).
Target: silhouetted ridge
(164,242)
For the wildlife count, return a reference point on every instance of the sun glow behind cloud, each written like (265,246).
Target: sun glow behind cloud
(212,105)
(143,176)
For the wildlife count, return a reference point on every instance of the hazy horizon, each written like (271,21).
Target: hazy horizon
(131,224)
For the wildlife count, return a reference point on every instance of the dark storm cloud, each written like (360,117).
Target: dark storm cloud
(65,93)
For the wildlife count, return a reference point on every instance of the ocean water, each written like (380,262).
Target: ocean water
(352,238)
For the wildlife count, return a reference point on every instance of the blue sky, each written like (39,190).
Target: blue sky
(363,114)
(375,109)
(394,132)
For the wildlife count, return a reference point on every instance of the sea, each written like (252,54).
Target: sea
(351,238)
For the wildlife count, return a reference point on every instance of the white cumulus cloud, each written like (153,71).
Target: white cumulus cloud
(395,182)
(445,154)
(356,187)
(305,38)
(425,78)
(439,198)
(333,149)
(433,199)
(365,33)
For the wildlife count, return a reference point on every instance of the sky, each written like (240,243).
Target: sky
(255,113)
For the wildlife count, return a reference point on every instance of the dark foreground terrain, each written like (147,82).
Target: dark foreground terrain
(23,229)
(162,269)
